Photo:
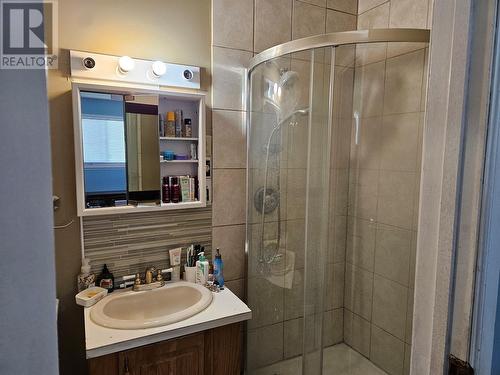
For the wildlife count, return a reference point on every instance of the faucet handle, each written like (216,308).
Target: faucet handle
(137,280)
(159,276)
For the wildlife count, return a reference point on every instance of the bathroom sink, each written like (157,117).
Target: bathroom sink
(158,307)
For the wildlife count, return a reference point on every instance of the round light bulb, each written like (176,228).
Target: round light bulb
(159,68)
(125,64)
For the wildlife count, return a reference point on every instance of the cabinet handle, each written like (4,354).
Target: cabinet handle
(125,367)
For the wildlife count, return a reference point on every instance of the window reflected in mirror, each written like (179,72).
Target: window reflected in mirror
(104,152)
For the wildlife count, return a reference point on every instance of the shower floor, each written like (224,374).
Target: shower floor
(338,359)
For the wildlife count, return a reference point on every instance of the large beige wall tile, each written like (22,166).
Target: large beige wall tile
(357,332)
(228,78)
(392,253)
(297,143)
(364,5)
(340,194)
(375,18)
(370,53)
(237,287)
(293,337)
(296,194)
(333,327)
(229,139)
(409,13)
(339,21)
(348,6)
(363,192)
(367,152)
(396,193)
(387,352)
(319,3)
(360,249)
(265,345)
(369,81)
(231,241)
(295,240)
(266,300)
(228,196)
(341,142)
(358,291)
(294,297)
(338,239)
(273,23)
(232,24)
(404,83)
(389,306)
(307,20)
(399,142)
(334,286)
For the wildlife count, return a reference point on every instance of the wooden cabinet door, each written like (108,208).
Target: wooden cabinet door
(183,356)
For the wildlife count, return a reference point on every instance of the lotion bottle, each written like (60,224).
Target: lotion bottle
(85,278)
(218,270)
(202,269)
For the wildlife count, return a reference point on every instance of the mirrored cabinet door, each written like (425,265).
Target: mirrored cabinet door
(104,150)
(143,149)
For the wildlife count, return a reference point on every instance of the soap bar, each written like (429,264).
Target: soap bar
(90,296)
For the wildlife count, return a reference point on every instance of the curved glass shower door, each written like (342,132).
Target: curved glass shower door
(334,152)
(288,179)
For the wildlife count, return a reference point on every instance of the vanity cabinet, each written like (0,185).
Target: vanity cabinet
(212,352)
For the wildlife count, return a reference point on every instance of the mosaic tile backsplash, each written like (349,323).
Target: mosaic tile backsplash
(130,243)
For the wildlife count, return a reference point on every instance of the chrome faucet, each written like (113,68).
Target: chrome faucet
(150,280)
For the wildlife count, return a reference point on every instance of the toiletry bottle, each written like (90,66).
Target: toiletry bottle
(170,126)
(175,191)
(202,270)
(106,279)
(161,125)
(218,270)
(188,128)
(178,123)
(85,278)
(165,190)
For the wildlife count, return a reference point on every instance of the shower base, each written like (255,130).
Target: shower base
(338,359)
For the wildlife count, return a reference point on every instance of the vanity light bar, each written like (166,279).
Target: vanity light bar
(92,66)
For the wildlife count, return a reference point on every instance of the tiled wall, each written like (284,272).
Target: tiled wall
(242,28)
(130,243)
(384,187)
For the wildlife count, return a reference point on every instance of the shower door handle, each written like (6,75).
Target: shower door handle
(356,129)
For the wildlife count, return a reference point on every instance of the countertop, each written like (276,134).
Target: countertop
(225,309)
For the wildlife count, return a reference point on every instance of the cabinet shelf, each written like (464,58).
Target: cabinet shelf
(178,139)
(179,161)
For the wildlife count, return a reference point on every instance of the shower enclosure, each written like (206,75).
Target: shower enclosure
(334,148)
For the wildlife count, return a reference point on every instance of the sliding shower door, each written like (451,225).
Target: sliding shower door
(289,144)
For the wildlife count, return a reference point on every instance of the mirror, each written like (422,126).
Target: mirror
(104,161)
(120,149)
(143,163)
(126,158)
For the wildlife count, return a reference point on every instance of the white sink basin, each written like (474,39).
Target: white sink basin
(153,308)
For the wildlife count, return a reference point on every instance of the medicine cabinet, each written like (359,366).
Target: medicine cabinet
(125,149)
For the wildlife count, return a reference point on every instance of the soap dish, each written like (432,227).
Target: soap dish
(90,296)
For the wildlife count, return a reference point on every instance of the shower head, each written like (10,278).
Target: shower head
(281,91)
(288,78)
